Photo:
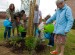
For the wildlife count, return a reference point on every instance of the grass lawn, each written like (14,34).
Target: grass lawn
(1,33)
(70,43)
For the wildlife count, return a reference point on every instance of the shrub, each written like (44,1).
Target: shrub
(30,43)
(17,43)
(40,46)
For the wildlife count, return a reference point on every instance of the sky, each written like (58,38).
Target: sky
(4,4)
(46,6)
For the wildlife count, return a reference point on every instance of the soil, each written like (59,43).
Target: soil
(6,51)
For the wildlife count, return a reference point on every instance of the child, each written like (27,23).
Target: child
(49,31)
(22,30)
(7,25)
(24,18)
(40,30)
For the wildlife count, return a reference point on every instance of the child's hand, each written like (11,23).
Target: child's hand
(44,23)
(10,19)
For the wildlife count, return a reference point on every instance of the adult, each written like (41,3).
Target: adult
(37,18)
(10,14)
(64,22)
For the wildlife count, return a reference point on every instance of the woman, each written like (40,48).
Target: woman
(10,14)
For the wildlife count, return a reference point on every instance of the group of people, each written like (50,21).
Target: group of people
(14,21)
(63,23)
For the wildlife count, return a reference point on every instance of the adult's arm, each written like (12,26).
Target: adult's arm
(70,20)
(51,19)
(8,14)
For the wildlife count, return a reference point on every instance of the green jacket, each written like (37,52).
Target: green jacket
(10,14)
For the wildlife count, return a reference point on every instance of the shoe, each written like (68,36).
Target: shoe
(43,40)
(18,35)
(50,45)
(54,52)
(13,36)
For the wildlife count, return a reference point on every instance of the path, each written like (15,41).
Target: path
(5,51)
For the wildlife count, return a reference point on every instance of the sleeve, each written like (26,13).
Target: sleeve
(7,14)
(51,19)
(70,20)
(41,26)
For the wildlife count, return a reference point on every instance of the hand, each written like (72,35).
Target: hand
(10,19)
(44,23)
(65,32)
(39,23)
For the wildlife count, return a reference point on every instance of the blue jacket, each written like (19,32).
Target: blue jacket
(64,20)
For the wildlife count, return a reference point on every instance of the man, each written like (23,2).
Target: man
(64,22)
(37,18)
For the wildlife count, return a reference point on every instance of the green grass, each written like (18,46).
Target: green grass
(70,43)
(1,33)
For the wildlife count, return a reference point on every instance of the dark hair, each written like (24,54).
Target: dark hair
(22,12)
(17,15)
(47,17)
(11,6)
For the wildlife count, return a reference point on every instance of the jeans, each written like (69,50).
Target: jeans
(35,26)
(51,40)
(7,32)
